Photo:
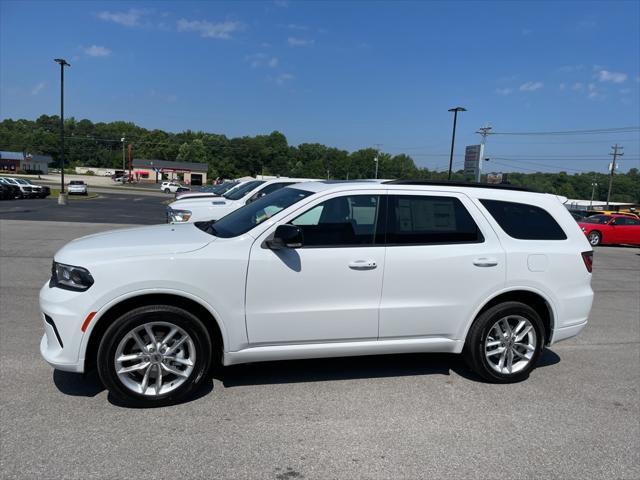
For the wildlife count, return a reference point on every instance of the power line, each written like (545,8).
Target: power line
(575,132)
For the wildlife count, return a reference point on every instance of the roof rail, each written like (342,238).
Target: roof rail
(447,183)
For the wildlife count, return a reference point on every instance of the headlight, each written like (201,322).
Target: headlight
(178,215)
(69,277)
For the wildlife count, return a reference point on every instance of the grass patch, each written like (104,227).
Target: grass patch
(55,192)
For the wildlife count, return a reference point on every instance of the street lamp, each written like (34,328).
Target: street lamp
(453,136)
(62,199)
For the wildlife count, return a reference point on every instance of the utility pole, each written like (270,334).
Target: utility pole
(377,159)
(615,154)
(484,132)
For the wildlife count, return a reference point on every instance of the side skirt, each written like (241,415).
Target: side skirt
(343,349)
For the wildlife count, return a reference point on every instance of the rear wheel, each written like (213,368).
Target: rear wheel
(166,190)
(154,356)
(594,238)
(505,342)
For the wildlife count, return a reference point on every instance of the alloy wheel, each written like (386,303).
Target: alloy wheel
(510,344)
(155,358)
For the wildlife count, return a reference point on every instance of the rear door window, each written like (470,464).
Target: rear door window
(524,221)
(424,220)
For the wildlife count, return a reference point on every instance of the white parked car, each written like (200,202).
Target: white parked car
(299,274)
(172,187)
(207,208)
(77,187)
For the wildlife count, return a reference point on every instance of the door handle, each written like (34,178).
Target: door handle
(363,265)
(485,262)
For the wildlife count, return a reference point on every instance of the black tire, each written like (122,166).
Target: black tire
(166,190)
(595,238)
(139,316)
(474,350)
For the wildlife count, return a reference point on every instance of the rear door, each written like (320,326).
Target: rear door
(442,258)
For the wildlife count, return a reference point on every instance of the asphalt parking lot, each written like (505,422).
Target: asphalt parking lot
(399,416)
(125,207)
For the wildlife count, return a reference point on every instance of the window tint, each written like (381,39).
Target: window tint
(241,190)
(270,189)
(627,221)
(340,221)
(524,222)
(420,220)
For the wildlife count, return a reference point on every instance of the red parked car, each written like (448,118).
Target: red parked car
(611,229)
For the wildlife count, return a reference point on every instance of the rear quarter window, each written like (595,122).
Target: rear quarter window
(524,221)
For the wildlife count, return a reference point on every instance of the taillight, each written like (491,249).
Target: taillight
(588,260)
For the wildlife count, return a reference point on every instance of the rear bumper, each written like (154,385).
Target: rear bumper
(564,333)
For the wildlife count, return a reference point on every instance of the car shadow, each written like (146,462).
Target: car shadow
(302,371)
(353,368)
(89,385)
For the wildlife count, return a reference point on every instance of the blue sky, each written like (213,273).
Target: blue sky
(346,74)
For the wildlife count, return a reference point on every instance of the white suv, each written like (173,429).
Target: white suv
(198,209)
(321,269)
(173,187)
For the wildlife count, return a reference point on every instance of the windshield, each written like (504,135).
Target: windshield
(600,219)
(76,182)
(241,190)
(19,180)
(245,218)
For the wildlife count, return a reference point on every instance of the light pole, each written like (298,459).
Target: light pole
(122,140)
(593,189)
(453,136)
(62,199)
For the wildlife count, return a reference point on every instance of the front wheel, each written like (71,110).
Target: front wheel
(594,238)
(166,190)
(154,356)
(505,342)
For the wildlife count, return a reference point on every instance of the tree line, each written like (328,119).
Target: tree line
(98,145)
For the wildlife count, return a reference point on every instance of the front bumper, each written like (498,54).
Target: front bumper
(60,345)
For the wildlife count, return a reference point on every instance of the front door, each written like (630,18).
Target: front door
(328,290)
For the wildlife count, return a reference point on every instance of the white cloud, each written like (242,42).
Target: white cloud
(284,78)
(593,92)
(281,3)
(96,51)
(295,26)
(221,30)
(625,91)
(504,91)
(562,86)
(130,18)
(299,42)
(526,32)
(577,86)
(38,88)
(259,60)
(531,86)
(614,77)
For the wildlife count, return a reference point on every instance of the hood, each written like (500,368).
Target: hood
(189,203)
(134,242)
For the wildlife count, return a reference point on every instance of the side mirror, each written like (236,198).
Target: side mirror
(286,236)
